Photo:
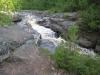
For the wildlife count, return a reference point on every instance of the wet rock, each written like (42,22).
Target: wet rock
(26,51)
(97,49)
(6,48)
(66,24)
(56,24)
(57,28)
(11,38)
(72,16)
(47,44)
(16,18)
(15,33)
(85,43)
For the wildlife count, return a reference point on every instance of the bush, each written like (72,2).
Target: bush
(72,33)
(58,5)
(67,57)
(7,5)
(91,18)
(5,20)
(74,5)
(74,62)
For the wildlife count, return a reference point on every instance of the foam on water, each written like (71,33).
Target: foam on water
(48,36)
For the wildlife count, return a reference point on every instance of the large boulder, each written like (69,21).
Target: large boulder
(15,33)
(58,25)
(11,38)
(72,16)
(26,50)
(6,48)
(97,49)
(85,43)
(16,18)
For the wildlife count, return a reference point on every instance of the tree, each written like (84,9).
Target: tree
(7,5)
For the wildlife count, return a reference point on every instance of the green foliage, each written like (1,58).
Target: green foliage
(72,32)
(35,4)
(17,4)
(7,5)
(91,18)
(5,20)
(57,5)
(74,5)
(74,62)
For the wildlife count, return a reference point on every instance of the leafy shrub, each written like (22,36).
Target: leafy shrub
(5,20)
(74,62)
(58,5)
(6,5)
(72,32)
(74,5)
(91,18)
(67,57)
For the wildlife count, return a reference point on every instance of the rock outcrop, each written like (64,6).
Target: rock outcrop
(60,22)
(11,38)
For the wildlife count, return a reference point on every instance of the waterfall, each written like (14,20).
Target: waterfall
(46,36)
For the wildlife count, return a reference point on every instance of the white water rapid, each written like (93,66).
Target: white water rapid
(46,36)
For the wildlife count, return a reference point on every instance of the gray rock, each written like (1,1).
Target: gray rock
(85,43)
(16,18)
(98,42)
(71,16)
(6,48)
(11,38)
(26,51)
(97,49)
(66,24)
(57,28)
(56,24)
(47,44)
(15,33)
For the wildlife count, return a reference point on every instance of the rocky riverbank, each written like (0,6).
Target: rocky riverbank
(60,22)
(33,29)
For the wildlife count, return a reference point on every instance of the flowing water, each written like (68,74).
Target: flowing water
(44,36)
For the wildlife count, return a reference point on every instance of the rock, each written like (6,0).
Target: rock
(66,24)
(58,15)
(6,48)
(11,38)
(72,16)
(58,25)
(57,28)
(26,51)
(15,33)
(47,44)
(16,18)
(97,49)
(85,43)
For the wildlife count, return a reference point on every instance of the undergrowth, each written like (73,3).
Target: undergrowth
(74,62)
(5,20)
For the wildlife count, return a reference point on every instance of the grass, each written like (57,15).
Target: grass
(67,57)
(91,18)
(90,14)
(57,5)
(64,58)
(72,61)
(5,20)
